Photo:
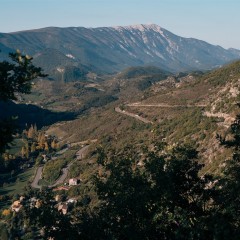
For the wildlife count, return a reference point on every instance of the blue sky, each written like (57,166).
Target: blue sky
(215,21)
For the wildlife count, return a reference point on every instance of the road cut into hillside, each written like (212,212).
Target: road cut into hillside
(79,155)
(117,109)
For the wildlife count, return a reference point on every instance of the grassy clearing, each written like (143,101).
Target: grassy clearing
(35,97)
(16,187)
(16,146)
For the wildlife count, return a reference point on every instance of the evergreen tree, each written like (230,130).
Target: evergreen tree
(15,77)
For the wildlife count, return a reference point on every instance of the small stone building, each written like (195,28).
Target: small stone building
(73,182)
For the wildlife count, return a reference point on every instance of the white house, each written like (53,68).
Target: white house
(73,182)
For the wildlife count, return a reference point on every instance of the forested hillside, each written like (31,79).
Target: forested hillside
(141,154)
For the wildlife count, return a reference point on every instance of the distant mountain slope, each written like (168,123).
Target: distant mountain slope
(110,49)
(133,72)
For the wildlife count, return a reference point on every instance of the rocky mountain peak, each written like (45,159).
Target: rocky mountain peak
(140,27)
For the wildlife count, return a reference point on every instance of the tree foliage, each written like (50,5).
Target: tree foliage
(149,194)
(162,198)
(15,77)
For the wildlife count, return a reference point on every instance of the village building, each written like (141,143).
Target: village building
(73,182)
(16,206)
(38,204)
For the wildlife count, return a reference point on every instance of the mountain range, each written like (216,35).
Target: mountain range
(74,51)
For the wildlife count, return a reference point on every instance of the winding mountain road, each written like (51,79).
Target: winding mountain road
(117,109)
(161,105)
(227,118)
(79,155)
(164,105)
(37,177)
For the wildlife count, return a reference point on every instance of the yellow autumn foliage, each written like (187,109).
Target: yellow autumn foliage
(6,212)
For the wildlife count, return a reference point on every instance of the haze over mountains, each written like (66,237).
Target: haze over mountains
(77,50)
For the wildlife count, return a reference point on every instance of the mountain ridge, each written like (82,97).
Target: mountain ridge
(111,49)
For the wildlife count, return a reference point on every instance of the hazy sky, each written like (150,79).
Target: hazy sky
(215,21)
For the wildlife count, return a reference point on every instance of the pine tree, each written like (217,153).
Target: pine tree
(16,77)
